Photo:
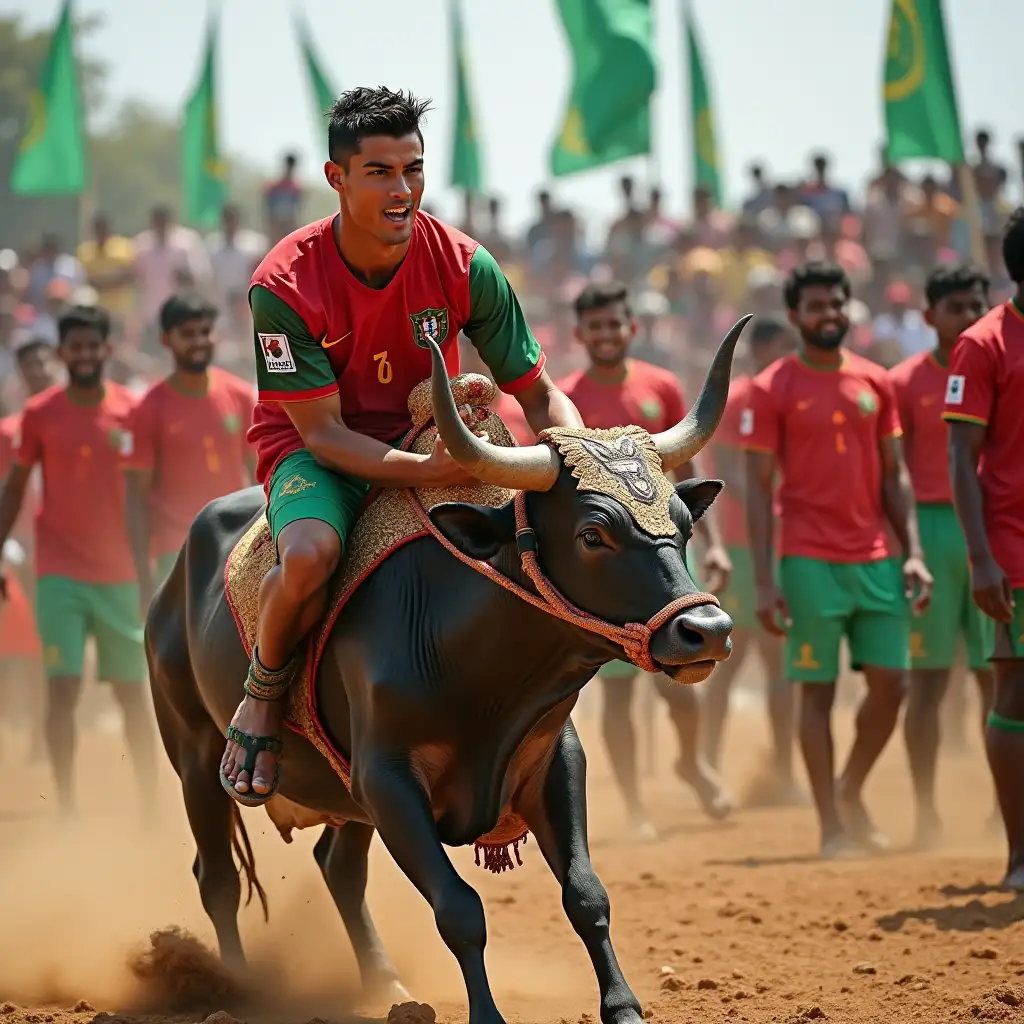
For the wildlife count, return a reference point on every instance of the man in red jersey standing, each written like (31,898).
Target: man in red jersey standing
(826,420)
(957,296)
(86,579)
(342,311)
(616,390)
(187,442)
(768,340)
(20,650)
(985,410)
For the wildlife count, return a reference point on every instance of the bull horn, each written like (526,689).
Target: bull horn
(680,443)
(534,468)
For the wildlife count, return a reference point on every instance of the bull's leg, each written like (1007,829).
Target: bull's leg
(342,855)
(403,816)
(556,812)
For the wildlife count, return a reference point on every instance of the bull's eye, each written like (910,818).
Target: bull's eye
(592,539)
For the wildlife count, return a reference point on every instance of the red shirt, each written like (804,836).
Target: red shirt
(511,413)
(824,428)
(80,528)
(920,383)
(647,397)
(986,386)
(732,517)
(332,334)
(195,448)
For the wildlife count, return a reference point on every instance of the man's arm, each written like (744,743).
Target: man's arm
(136,515)
(11,499)
(716,563)
(901,511)
(499,332)
(989,584)
(761,525)
(308,393)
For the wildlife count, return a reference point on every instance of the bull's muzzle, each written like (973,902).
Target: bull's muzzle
(690,644)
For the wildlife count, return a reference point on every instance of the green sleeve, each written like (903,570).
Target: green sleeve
(497,327)
(291,365)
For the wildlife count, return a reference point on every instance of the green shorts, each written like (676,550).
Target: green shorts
(952,612)
(303,489)
(68,611)
(1009,639)
(740,599)
(863,601)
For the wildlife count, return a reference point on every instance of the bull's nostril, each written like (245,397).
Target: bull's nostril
(691,637)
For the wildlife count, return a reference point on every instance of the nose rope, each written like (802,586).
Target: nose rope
(634,637)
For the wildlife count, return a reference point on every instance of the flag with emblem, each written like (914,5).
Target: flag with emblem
(320,88)
(467,172)
(921,115)
(608,116)
(204,178)
(51,157)
(703,145)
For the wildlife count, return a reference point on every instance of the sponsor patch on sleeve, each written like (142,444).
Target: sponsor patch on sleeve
(277,353)
(955,389)
(746,422)
(127,443)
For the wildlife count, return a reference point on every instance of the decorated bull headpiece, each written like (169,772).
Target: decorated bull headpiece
(625,463)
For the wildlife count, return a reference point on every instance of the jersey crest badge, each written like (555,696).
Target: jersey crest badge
(232,423)
(651,408)
(277,353)
(430,324)
(955,389)
(867,403)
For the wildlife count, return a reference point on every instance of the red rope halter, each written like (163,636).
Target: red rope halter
(634,637)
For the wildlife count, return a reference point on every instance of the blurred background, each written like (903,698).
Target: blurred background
(697,150)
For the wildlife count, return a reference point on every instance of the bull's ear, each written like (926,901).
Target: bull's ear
(476,530)
(697,495)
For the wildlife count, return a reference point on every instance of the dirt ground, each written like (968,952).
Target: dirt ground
(712,923)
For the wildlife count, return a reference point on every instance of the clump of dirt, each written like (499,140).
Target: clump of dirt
(178,973)
(412,1013)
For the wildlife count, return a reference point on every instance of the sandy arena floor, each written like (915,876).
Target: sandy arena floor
(731,922)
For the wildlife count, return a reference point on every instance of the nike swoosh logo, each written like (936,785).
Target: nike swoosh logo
(330,344)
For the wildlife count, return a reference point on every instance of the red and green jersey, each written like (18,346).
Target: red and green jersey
(825,429)
(732,518)
(920,383)
(986,386)
(320,331)
(195,449)
(80,527)
(647,396)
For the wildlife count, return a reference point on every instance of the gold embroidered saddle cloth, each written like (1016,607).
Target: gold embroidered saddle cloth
(388,521)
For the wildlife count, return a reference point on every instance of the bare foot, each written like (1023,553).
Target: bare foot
(257,718)
(769,789)
(860,827)
(642,830)
(838,847)
(928,831)
(709,787)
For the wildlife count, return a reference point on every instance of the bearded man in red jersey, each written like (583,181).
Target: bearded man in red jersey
(342,312)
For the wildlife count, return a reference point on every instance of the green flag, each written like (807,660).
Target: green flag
(51,157)
(466,169)
(608,117)
(920,101)
(324,94)
(204,183)
(706,167)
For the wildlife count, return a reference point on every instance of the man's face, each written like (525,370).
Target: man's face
(954,313)
(84,351)
(37,368)
(191,344)
(822,315)
(382,187)
(606,333)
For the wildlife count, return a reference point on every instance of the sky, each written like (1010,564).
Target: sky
(787,77)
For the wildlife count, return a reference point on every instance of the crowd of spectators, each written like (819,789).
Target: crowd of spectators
(690,277)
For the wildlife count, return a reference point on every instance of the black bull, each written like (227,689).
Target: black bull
(451,695)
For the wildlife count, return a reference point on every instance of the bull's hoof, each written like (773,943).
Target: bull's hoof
(1014,881)
(412,1013)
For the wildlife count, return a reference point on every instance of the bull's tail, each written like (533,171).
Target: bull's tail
(246,860)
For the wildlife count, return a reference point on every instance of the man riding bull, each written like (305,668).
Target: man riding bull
(342,311)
